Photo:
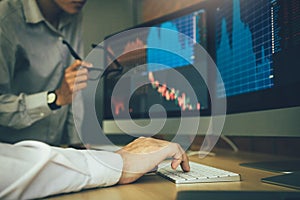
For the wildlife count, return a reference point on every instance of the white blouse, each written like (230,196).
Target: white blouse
(32,169)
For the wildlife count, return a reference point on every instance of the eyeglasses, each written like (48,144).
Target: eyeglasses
(96,74)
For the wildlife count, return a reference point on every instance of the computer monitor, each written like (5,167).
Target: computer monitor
(254,44)
(256,49)
(150,51)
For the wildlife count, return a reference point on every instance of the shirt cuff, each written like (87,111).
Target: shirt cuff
(105,168)
(37,105)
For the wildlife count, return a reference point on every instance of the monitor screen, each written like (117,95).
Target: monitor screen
(255,45)
(150,53)
(256,49)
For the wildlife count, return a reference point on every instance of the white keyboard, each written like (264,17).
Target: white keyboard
(198,174)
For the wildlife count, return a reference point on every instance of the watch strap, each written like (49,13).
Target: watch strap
(53,105)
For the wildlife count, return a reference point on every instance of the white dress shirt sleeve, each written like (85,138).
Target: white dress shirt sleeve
(32,169)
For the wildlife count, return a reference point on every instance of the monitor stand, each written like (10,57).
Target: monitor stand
(288,180)
(289,168)
(281,166)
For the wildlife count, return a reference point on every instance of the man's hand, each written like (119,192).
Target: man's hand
(75,79)
(144,154)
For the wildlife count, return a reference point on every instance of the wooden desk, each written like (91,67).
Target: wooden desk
(155,187)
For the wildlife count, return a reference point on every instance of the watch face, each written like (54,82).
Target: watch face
(51,97)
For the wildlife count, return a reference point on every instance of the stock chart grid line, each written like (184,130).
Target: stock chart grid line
(244,46)
(182,44)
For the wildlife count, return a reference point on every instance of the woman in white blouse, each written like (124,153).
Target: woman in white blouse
(32,169)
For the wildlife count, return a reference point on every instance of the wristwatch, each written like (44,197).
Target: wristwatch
(51,100)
